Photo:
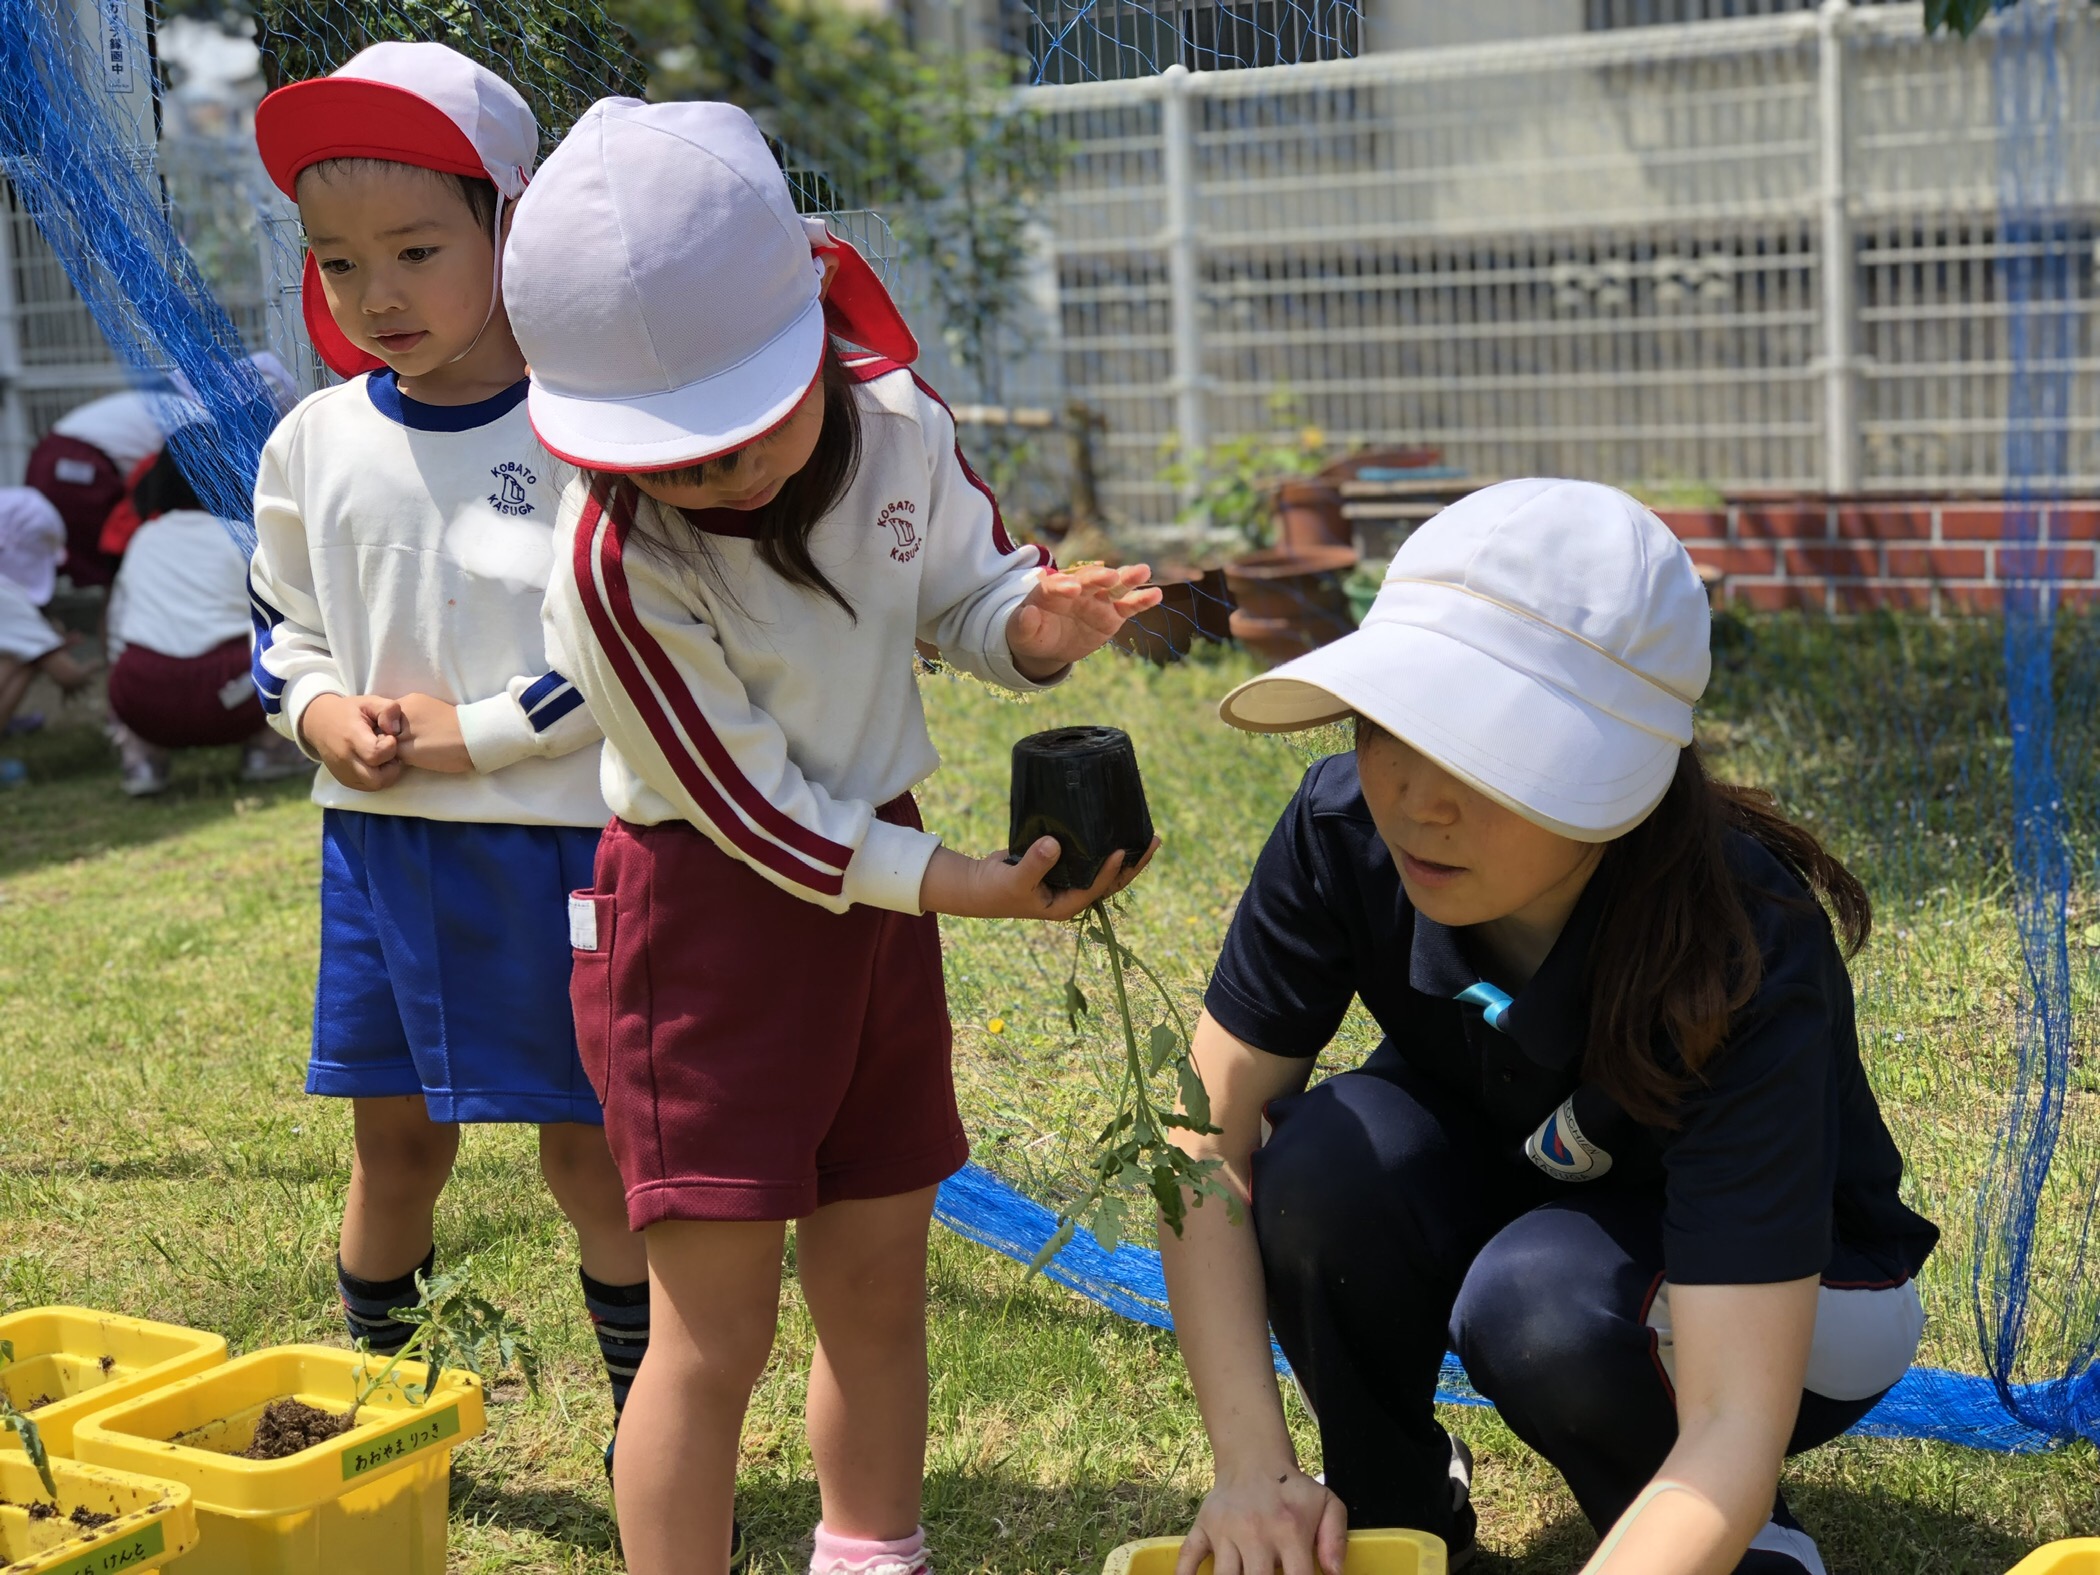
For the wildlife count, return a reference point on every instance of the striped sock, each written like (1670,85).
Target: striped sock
(368,1305)
(620,1316)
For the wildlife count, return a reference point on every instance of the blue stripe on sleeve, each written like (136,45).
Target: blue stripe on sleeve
(554,710)
(540,689)
(269,688)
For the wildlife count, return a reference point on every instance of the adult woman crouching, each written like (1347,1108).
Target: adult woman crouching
(1617,1148)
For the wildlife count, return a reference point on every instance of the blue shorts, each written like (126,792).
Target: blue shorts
(445,967)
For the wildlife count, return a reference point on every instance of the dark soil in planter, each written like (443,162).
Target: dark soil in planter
(1081,786)
(38,1402)
(87,1519)
(288,1426)
(43,1509)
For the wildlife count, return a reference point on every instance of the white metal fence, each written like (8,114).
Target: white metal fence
(1597,255)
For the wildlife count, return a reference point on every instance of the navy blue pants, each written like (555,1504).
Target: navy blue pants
(1389,1227)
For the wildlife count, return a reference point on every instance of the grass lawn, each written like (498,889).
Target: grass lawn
(158,1157)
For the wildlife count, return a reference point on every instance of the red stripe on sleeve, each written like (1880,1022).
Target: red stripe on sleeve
(767,815)
(1000,538)
(609,628)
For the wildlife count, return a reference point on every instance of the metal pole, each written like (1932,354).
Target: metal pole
(1184,273)
(1840,371)
(14,417)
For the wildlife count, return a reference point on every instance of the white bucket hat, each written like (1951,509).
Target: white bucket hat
(662,287)
(32,541)
(1544,641)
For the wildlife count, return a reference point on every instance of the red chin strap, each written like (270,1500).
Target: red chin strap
(342,357)
(859,310)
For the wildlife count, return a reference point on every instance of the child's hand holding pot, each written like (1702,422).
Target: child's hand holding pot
(991,888)
(1072,613)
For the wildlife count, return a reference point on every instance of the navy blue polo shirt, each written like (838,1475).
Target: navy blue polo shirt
(1780,1166)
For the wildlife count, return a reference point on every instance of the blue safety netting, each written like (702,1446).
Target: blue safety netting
(2042,1172)
(97,201)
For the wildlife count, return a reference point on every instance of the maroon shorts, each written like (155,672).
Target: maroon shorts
(180,702)
(758,1057)
(83,484)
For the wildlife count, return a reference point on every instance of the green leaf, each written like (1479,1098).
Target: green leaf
(2091,935)
(1195,1098)
(1059,1240)
(1166,1046)
(32,1445)
(7,1352)
(1167,1193)
(1110,1215)
(1075,1004)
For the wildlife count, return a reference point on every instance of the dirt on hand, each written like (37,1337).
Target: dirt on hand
(288,1426)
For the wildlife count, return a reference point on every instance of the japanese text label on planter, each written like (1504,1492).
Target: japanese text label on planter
(399,1444)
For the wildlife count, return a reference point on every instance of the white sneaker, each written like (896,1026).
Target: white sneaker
(275,760)
(142,767)
(143,777)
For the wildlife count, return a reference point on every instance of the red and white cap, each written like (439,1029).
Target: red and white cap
(1544,641)
(421,104)
(666,293)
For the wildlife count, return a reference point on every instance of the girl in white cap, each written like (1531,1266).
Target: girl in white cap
(1617,1149)
(32,544)
(766,524)
(404,524)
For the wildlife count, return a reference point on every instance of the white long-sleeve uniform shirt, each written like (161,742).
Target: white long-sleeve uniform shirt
(759,710)
(404,548)
(181,589)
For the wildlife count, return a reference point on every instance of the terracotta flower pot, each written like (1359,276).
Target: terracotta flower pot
(1194,605)
(1309,514)
(1287,603)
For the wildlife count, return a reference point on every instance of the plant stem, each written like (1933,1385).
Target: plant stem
(1130,1046)
(372,1384)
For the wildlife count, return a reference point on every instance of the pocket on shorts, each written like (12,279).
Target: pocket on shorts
(590,982)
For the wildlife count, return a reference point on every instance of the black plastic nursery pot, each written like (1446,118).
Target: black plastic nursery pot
(1081,786)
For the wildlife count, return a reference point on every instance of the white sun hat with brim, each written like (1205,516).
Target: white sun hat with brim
(1544,641)
(663,288)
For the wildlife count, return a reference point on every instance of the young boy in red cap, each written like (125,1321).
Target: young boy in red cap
(404,524)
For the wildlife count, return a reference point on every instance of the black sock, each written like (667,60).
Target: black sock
(368,1305)
(620,1315)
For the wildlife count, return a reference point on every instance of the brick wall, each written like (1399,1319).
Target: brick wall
(1850,554)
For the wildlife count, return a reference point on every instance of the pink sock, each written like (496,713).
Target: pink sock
(837,1555)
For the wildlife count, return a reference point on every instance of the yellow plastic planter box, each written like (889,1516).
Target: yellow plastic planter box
(2079,1556)
(373,1498)
(79,1361)
(1370,1553)
(154,1521)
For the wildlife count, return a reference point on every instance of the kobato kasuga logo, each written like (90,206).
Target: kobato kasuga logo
(898,517)
(511,480)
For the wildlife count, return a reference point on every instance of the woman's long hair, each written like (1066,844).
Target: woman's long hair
(1676,951)
(781,529)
